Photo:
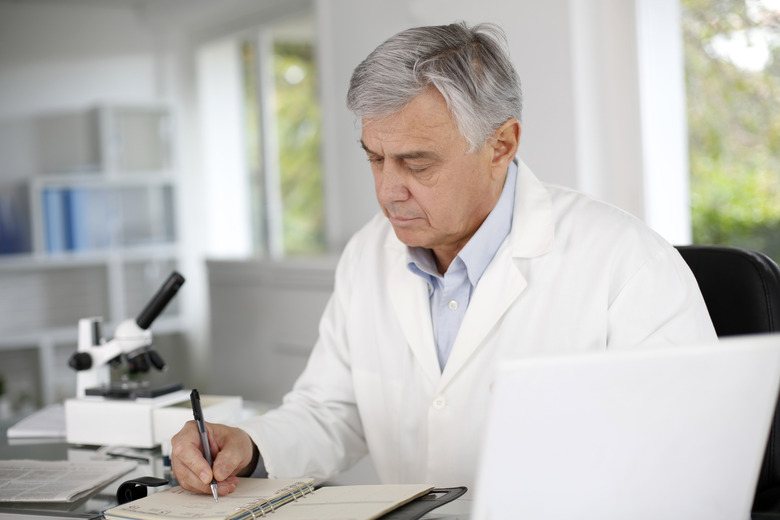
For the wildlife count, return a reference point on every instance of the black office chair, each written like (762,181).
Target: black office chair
(742,291)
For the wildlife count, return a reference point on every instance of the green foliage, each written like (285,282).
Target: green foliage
(299,124)
(734,128)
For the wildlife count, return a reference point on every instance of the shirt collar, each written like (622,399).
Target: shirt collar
(482,247)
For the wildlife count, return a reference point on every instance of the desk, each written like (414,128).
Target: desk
(90,507)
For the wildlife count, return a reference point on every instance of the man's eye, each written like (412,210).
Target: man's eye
(375,160)
(417,167)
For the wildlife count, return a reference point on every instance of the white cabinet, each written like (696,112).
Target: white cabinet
(92,234)
(264,323)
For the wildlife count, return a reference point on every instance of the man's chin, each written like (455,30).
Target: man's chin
(410,237)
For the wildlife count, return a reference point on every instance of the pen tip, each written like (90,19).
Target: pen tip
(214,492)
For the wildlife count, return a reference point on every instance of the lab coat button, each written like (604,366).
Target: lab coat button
(439,403)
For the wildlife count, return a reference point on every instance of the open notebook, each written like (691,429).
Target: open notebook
(288,499)
(671,433)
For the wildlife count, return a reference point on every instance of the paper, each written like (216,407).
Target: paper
(46,423)
(359,502)
(56,481)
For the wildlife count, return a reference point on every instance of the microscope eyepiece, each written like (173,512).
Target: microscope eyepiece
(160,300)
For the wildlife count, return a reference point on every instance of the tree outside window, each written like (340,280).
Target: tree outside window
(282,125)
(732,51)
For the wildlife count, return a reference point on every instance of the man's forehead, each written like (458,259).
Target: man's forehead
(401,151)
(424,125)
(403,144)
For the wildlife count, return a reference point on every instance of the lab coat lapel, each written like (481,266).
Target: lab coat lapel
(409,296)
(533,233)
(499,287)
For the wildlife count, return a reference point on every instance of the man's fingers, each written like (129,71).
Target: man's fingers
(231,450)
(235,451)
(227,486)
(189,480)
(187,462)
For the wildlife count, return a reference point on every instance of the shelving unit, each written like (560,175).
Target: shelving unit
(101,238)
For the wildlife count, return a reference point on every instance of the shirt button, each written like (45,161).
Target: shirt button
(439,403)
(452,304)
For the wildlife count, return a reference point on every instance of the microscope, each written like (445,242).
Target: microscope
(125,413)
(132,344)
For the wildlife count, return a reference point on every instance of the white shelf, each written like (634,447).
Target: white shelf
(68,335)
(32,262)
(113,168)
(103,179)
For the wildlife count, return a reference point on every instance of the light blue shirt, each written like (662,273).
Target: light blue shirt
(450,294)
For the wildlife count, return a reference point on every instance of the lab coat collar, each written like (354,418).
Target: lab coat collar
(533,223)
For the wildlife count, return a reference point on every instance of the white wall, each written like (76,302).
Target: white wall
(57,57)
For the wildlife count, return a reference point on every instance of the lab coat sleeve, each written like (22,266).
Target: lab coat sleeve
(660,304)
(317,431)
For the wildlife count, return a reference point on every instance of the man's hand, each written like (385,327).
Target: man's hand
(232,451)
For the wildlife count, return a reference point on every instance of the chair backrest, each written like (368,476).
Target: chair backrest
(742,291)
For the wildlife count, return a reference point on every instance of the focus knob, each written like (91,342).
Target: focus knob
(80,361)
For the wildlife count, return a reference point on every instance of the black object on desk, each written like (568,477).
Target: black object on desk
(420,506)
(137,488)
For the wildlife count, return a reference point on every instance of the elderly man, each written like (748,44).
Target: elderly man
(472,260)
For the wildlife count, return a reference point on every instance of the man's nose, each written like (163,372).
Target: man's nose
(391,182)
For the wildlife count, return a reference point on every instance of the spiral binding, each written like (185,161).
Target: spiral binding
(261,507)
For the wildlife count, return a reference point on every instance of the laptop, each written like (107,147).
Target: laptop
(665,433)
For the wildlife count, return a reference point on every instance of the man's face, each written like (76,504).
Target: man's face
(434,193)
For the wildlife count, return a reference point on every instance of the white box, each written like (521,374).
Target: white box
(141,422)
(168,420)
(115,422)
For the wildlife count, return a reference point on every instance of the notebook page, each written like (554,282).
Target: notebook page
(178,503)
(363,502)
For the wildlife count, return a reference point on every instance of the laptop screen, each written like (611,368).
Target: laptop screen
(672,432)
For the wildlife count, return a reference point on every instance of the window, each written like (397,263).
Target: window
(732,52)
(261,120)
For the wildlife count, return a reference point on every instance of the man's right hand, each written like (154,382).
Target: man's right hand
(232,450)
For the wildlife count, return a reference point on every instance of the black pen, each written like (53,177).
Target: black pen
(204,438)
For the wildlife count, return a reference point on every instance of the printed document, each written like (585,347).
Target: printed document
(56,481)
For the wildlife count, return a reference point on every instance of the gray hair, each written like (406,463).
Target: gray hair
(469,66)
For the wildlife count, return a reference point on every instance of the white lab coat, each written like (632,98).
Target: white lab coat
(574,275)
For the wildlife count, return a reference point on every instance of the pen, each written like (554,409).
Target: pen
(204,438)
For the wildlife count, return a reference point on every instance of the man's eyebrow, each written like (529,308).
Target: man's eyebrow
(422,154)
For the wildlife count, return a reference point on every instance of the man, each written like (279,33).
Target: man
(472,260)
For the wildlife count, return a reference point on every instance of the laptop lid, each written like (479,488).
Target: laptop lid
(664,433)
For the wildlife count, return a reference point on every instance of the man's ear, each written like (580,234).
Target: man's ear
(505,141)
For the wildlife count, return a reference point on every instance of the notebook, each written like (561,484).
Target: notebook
(287,499)
(671,433)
